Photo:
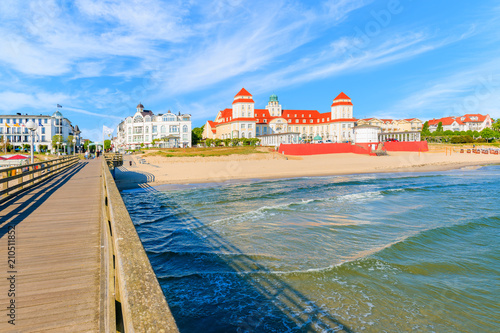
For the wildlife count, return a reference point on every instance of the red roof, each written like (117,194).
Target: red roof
(2,158)
(468,118)
(243,92)
(17,157)
(446,121)
(342,96)
(243,100)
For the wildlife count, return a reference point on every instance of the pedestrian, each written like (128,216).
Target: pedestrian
(130,163)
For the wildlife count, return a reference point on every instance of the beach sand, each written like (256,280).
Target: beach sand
(189,170)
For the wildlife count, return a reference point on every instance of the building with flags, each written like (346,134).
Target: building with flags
(145,128)
(13,131)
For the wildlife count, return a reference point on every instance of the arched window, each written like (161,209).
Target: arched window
(163,129)
(185,128)
(138,119)
(147,129)
(243,135)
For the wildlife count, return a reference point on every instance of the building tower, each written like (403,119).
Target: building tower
(140,107)
(274,106)
(342,107)
(243,105)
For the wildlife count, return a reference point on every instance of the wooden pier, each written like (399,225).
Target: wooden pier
(60,268)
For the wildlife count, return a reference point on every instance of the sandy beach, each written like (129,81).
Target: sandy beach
(186,170)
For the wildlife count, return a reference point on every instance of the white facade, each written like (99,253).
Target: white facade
(13,129)
(243,120)
(366,134)
(144,127)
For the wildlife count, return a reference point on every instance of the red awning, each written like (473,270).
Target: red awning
(17,157)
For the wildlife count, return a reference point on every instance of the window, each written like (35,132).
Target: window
(296,129)
(295,116)
(242,126)
(43,137)
(138,119)
(174,129)
(265,120)
(184,137)
(8,120)
(304,121)
(265,130)
(147,129)
(43,130)
(163,129)
(310,115)
(184,129)
(250,126)
(155,129)
(250,134)
(296,121)
(311,121)
(257,130)
(302,116)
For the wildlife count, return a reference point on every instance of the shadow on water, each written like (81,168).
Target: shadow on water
(258,299)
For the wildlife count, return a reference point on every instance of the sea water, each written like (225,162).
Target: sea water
(374,253)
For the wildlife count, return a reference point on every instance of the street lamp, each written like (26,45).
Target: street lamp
(32,126)
(74,146)
(57,148)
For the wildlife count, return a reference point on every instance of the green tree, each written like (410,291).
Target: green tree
(227,142)
(254,141)
(217,142)
(208,142)
(55,139)
(197,135)
(439,128)
(496,124)
(487,134)
(450,133)
(86,144)
(107,145)
(235,142)
(425,129)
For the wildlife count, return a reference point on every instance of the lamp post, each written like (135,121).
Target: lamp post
(32,126)
(57,148)
(74,146)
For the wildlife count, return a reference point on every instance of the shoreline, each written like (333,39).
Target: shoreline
(191,171)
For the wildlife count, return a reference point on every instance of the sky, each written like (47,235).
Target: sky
(394,58)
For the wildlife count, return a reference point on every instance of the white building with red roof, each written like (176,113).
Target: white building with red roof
(473,122)
(243,120)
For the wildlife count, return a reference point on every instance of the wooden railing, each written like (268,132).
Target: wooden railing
(114,159)
(22,177)
(131,297)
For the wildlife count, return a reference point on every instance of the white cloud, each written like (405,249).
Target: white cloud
(12,100)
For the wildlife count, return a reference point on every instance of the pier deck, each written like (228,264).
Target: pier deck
(57,254)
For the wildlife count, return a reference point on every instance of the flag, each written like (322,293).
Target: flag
(40,123)
(106,132)
(59,105)
(7,125)
(16,125)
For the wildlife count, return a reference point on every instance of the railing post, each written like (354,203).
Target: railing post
(5,185)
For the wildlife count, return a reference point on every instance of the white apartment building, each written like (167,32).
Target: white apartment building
(14,131)
(144,126)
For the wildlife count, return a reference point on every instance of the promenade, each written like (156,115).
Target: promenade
(50,254)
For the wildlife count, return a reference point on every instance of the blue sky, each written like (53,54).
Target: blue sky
(99,59)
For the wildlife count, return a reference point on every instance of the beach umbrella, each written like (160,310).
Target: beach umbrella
(317,137)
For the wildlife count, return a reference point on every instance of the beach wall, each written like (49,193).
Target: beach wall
(321,148)
(406,146)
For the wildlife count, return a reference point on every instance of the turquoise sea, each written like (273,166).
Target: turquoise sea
(406,252)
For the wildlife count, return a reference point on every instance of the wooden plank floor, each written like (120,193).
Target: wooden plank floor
(57,254)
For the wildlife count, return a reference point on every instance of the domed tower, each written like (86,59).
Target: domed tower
(274,106)
(140,107)
(243,105)
(342,107)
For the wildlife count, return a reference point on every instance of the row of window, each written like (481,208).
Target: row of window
(20,121)
(163,129)
(24,138)
(139,119)
(18,130)
(141,139)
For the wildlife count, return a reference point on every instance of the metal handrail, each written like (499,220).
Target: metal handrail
(132,297)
